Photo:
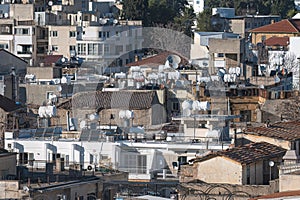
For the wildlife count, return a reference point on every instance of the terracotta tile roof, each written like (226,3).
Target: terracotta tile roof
(281,130)
(278,195)
(136,100)
(49,59)
(8,105)
(249,153)
(159,59)
(277,41)
(283,26)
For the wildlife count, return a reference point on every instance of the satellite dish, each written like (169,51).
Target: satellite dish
(82,124)
(115,21)
(25,188)
(173,61)
(50,3)
(59,88)
(102,21)
(221,73)
(63,59)
(5,15)
(122,114)
(129,114)
(271,163)
(94,117)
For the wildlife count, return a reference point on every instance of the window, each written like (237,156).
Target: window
(3,46)
(23,158)
(100,49)
(119,49)
(107,34)
(106,48)
(92,49)
(53,34)
(72,34)
(175,106)
(72,48)
(22,31)
(248,174)
(128,47)
(81,49)
(54,48)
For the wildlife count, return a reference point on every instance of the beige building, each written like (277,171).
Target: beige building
(245,165)
(146,106)
(62,40)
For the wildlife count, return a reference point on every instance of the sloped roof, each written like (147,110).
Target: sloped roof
(49,59)
(277,41)
(7,52)
(8,105)
(136,100)
(283,26)
(248,153)
(159,59)
(281,130)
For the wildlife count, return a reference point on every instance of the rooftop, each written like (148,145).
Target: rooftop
(277,41)
(283,26)
(106,100)
(248,153)
(8,105)
(281,130)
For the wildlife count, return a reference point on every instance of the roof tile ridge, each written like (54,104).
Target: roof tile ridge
(291,23)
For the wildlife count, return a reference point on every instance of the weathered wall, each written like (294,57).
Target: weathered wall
(289,182)
(10,165)
(281,143)
(219,170)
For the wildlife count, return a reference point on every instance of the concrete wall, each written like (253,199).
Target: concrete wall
(229,46)
(10,165)
(219,170)
(281,143)
(289,182)
(37,94)
(22,12)
(44,72)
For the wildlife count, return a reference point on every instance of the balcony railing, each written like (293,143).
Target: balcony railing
(24,52)
(289,168)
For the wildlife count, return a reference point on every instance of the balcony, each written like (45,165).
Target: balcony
(24,52)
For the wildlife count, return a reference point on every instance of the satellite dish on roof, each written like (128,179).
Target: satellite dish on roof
(50,3)
(82,124)
(59,88)
(173,61)
(25,188)
(102,21)
(221,72)
(94,117)
(115,21)
(5,15)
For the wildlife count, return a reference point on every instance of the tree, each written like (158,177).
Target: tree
(135,9)
(204,21)
(185,21)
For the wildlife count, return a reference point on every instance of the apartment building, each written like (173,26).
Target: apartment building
(17,30)
(109,42)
